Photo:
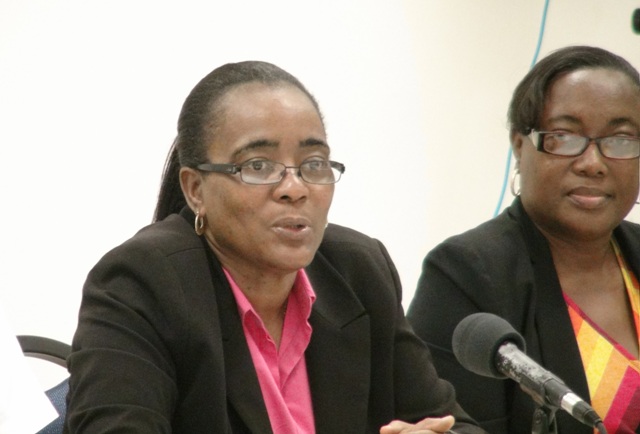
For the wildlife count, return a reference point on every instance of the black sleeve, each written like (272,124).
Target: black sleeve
(416,376)
(413,383)
(457,281)
(143,352)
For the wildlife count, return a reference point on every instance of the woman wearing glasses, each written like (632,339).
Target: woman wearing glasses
(560,264)
(240,310)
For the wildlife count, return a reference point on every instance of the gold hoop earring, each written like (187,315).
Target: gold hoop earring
(512,182)
(198,224)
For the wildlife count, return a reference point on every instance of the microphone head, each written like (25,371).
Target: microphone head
(476,341)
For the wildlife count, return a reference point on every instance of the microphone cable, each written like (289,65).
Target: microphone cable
(505,180)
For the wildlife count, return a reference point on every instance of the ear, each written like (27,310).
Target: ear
(517,141)
(191,184)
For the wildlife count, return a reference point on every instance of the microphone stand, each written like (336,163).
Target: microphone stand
(544,421)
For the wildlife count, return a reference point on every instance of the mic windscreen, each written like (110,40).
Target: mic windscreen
(476,341)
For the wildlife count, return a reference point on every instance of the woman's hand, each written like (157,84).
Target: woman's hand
(429,425)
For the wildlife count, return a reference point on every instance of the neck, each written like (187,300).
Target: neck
(579,253)
(268,295)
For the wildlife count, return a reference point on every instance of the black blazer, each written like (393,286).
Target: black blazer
(504,266)
(160,347)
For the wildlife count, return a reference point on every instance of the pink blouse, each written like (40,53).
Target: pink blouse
(282,373)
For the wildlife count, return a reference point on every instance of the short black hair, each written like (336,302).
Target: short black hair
(527,102)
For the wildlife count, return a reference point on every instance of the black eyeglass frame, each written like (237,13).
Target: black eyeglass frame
(597,140)
(232,169)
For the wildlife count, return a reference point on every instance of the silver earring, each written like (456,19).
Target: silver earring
(198,224)
(512,182)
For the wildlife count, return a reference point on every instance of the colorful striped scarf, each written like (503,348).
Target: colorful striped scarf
(613,374)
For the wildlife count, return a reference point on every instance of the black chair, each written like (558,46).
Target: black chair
(56,352)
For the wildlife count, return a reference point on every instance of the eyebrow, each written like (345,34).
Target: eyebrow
(565,118)
(623,121)
(616,122)
(260,144)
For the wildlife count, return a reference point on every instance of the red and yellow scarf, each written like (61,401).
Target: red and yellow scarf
(613,374)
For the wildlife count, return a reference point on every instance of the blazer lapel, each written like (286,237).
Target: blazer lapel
(339,355)
(549,326)
(555,332)
(629,241)
(243,389)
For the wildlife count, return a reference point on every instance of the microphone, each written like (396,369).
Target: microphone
(488,345)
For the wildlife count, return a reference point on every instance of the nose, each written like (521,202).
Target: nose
(292,187)
(591,162)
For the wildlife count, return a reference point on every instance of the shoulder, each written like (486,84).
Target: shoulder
(628,237)
(355,256)
(169,236)
(500,235)
(336,234)
(160,268)
(350,252)
(157,249)
(484,264)
(345,244)
(628,230)
(350,262)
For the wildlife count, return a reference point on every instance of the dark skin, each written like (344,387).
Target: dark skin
(593,280)
(576,202)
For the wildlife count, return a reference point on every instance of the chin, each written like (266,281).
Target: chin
(296,259)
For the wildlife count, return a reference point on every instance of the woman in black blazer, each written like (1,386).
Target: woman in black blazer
(240,310)
(559,264)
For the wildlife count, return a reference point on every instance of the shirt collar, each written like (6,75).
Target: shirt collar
(301,290)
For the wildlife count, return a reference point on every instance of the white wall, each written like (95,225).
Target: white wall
(414,93)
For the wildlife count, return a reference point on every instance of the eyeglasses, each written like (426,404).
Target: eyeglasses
(263,172)
(572,145)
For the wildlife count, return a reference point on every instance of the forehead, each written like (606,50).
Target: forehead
(251,98)
(600,79)
(260,117)
(595,93)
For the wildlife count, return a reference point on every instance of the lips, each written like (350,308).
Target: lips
(292,223)
(292,227)
(589,197)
